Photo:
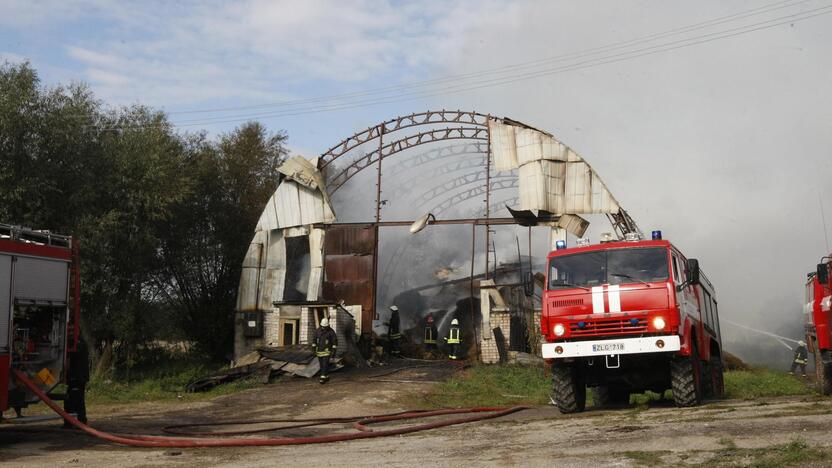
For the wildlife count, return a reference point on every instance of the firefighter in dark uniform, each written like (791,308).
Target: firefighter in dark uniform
(454,339)
(326,341)
(394,332)
(801,357)
(430,332)
(78,374)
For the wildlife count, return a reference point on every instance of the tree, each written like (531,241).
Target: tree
(203,250)
(163,219)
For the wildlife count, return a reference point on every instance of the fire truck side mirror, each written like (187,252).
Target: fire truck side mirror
(693,271)
(823,273)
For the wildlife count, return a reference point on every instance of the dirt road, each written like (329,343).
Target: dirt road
(725,432)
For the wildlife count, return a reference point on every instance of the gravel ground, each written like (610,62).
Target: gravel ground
(626,436)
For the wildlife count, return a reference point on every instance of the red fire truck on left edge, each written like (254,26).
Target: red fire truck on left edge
(39,310)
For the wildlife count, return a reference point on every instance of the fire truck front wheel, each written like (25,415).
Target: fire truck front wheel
(569,389)
(686,379)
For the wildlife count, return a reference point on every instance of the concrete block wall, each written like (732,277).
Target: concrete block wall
(271,327)
(488,347)
(307,325)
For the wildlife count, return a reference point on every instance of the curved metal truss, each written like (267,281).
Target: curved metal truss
(443,153)
(392,264)
(473,192)
(412,141)
(436,172)
(461,181)
(399,123)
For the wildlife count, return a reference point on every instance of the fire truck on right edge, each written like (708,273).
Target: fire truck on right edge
(629,316)
(816,317)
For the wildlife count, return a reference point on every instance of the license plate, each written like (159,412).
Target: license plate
(608,347)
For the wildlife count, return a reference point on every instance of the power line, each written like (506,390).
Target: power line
(614,58)
(529,75)
(534,63)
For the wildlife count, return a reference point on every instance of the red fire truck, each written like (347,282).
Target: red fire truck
(816,317)
(628,316)
(39,310)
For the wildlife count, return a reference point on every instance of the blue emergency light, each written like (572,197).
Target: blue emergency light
(657,235)
(561,244)
(581,325)
(634,322)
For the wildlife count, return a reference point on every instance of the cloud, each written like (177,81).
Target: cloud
(183,54)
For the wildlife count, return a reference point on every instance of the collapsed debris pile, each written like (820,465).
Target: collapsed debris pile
(266,364)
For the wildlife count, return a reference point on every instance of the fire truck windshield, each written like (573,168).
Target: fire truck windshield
(614,266)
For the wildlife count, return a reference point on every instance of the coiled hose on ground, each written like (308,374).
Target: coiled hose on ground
(361,423)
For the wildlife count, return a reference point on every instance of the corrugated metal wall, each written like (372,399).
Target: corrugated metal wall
(348,268)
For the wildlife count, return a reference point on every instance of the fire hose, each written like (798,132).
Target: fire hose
(360,423)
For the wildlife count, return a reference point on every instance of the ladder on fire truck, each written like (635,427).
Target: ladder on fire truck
(623,224)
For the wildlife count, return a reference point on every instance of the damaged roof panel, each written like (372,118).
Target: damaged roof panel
(552,177)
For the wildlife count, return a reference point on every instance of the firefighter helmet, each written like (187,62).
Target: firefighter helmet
(324,322)
(454,322)
(394,308)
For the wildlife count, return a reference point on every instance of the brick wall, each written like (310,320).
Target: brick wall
(271,327)
(488,347)
(307,325)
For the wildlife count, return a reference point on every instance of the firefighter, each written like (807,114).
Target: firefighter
(394,333)
(326,341)
(454,339)
(801,357)
(78,374)
(430,332)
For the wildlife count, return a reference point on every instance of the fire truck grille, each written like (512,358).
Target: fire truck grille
(567,303)
(609,326)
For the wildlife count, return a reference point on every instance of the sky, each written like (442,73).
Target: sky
(724,145)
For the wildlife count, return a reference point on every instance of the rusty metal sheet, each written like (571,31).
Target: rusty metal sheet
(349,240)
(348,268)
(341,268)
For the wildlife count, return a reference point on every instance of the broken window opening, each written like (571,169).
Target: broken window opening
(297,268)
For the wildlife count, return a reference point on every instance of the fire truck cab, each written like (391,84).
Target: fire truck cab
(816,318)
(628,316)
(39,310)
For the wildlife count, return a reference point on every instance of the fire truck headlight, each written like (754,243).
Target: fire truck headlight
(559,329)
(658,323)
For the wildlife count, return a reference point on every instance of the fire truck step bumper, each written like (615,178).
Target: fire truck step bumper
(649,344)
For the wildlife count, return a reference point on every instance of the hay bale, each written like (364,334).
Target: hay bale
(732,362)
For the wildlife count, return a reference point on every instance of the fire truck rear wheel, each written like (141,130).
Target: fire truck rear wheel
(685,376)
(717,378)
(823,371)
(569,389)
(603,395)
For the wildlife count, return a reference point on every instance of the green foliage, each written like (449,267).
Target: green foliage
(492,385)
(163,219)
(159,375)
(756,383)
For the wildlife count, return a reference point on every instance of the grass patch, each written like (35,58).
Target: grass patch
(491,385)
(645,458)
(757,383)
(506,384)
(795,453)
(165,379)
